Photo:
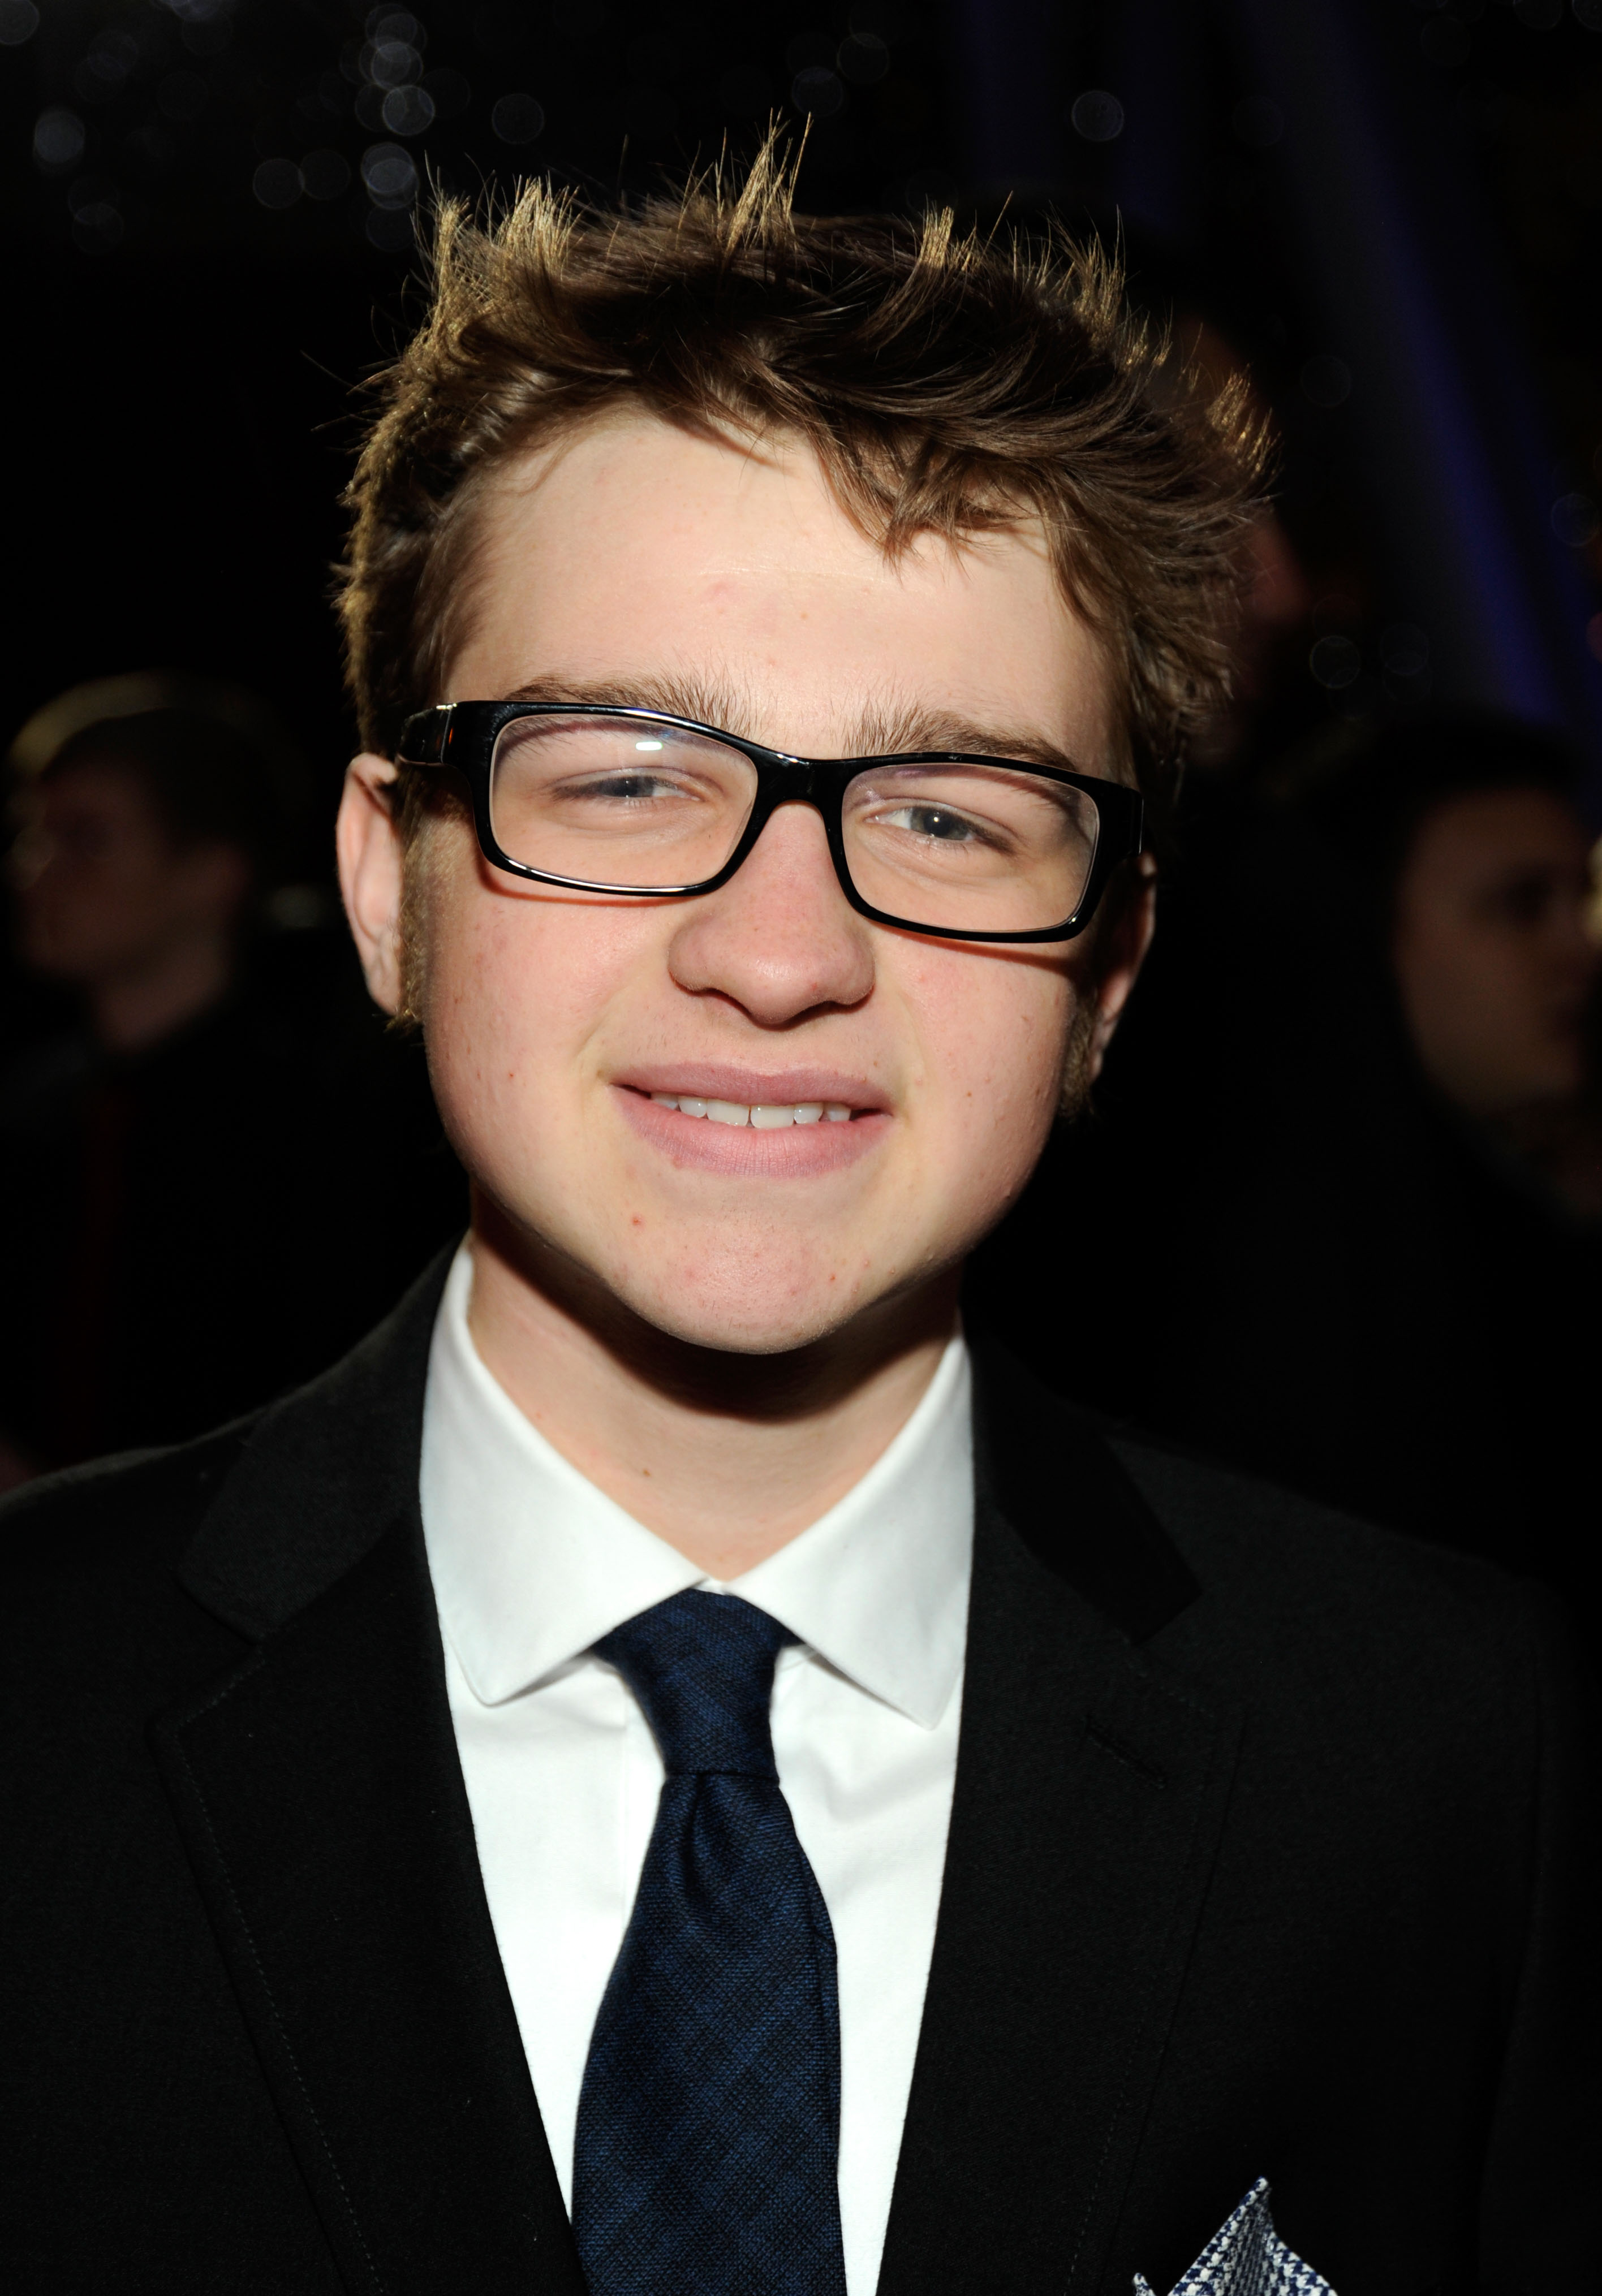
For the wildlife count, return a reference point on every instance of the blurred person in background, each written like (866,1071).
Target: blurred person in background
(1387,1292)
(178,1080)
(1494,943)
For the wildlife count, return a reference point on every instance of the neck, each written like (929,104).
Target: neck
(145,1001)
(726,1457)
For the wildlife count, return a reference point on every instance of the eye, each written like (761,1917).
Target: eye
(939,823)
(1523,900)
(635,786)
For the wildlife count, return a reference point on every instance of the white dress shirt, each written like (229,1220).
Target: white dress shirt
(532,1565)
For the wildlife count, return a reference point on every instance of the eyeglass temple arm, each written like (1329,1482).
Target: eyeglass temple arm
(425,736)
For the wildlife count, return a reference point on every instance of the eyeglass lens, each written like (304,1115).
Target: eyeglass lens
(642,806)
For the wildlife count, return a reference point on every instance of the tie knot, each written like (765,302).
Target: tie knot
(702,1667)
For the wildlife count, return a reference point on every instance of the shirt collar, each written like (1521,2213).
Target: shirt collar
(531,1565)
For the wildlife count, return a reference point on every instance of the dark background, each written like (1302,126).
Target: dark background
(1391,210)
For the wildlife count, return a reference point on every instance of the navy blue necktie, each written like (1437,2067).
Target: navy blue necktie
(708,2142)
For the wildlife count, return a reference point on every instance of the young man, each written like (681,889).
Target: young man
(669,1770)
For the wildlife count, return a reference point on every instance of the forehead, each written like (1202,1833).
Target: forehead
(637,549)
(97,777)
(1488,832)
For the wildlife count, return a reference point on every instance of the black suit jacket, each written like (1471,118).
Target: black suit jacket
(1262,1862)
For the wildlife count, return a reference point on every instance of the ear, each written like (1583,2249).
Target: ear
(1122,954)
(367,842)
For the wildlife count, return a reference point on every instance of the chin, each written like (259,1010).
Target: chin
(756,1303)
(752,1335)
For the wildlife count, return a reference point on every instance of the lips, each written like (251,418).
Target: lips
(748,1088)
(742,1124)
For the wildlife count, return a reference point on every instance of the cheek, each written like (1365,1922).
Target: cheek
(1444,967)
(1495,980)
(514,994)
(114,896)
(993,1034)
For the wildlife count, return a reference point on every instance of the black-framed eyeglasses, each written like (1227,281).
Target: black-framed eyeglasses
(599,797)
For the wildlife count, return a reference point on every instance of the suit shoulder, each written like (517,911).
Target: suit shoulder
(1161,1540)
(1295,1566)
(111,1519)
(98,1635)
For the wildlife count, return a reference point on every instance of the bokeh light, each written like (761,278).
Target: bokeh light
(1327,380)
(1335,662)
(277,184)
(1097,115)
(58,139)
(517,118)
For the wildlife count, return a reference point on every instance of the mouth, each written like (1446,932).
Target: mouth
(801,1124)
(763,1116)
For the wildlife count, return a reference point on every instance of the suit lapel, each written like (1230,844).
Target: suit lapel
(1089,1796)
(320,1794)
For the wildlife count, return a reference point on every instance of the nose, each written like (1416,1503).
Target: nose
(780,939)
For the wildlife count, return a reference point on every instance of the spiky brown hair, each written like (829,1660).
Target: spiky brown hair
(947,383)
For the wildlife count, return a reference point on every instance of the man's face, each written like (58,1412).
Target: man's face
(102,888)
(640,562)
(1492,955)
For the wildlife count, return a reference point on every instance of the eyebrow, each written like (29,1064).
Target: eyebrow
(883,729)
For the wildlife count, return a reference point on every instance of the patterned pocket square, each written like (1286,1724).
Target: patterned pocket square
(1247,2258)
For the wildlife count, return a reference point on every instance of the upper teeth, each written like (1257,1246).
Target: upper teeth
(765,1117)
